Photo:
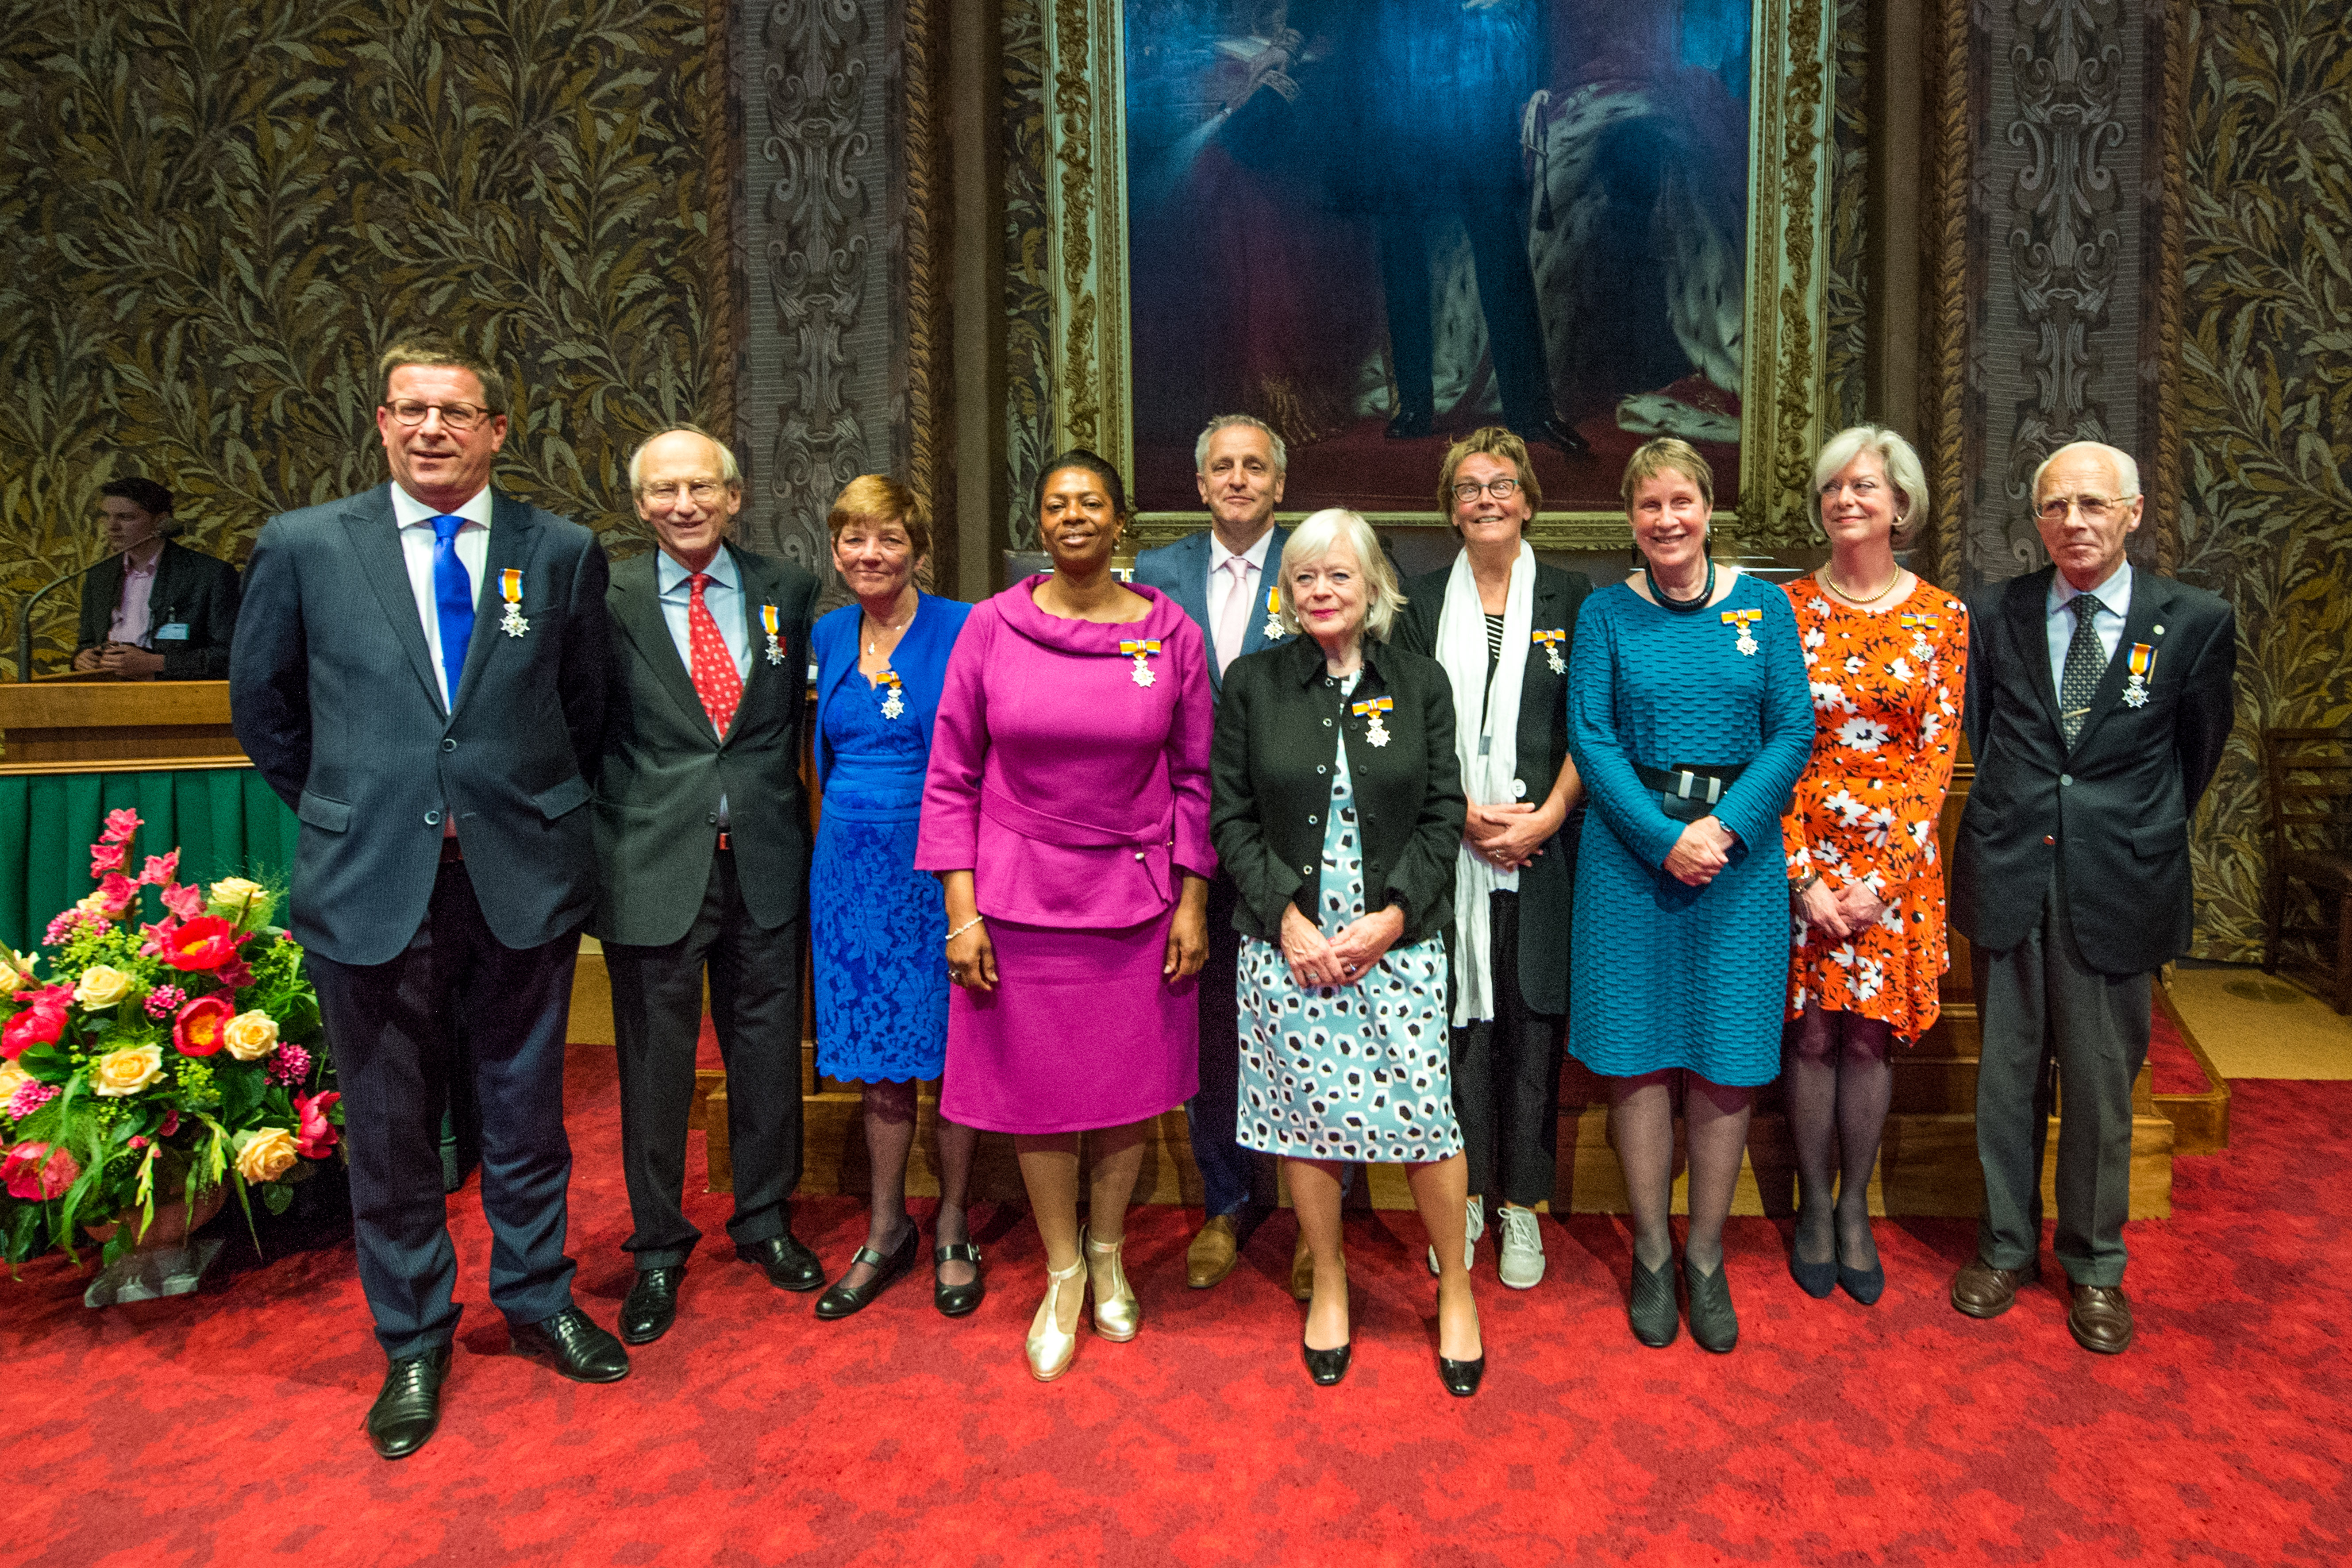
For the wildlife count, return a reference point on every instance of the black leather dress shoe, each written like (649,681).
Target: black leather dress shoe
(408,1408)
(2100,1320)
(1411,425)
(1562,435)
(573,1346)
(956,1300)
(843,1299)
(1327,1367)
(1461,1377)
(651,1305)
(789,1265)
(1981,1290)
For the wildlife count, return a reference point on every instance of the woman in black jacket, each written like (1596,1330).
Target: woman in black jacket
(1338,806)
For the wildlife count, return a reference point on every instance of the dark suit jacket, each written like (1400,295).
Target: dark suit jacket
(332,691)
(656,810)
(1548,886)
(2115,805)
(192,589)
(1270,769)
(1180,571)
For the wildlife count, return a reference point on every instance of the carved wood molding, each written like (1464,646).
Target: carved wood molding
(1086,226)
(923,205)
(722,132)
(2164,302)
(1947,148)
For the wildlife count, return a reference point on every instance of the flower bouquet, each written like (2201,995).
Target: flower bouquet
(157,1062)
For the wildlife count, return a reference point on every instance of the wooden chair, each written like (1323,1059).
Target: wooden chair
(2310,773)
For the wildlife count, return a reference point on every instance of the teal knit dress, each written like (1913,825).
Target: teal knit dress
(1666,976)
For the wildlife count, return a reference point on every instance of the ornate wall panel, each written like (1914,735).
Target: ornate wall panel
(1847,392)
(1028,305)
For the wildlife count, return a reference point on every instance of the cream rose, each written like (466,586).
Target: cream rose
(126,1071)
(267,1155)
(103,986)
(236,899)
(11,978)
(249,1036)
(96,904)
(12,1079)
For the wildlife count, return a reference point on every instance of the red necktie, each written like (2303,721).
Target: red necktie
(716,679)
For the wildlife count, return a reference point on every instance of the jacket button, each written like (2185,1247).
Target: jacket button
(449,743)
(1321,769)
(1138,854)
(1307,870)
(712,819)
(2065,778)
(2049,838)
(1327,723)
(432,819)
(1311,821)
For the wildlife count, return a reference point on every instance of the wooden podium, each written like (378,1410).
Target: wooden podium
(86,724)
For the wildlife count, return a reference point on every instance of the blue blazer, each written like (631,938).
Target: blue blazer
(1180,571)
(921,659)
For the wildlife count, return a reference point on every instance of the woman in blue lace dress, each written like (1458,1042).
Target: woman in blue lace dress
(876,926)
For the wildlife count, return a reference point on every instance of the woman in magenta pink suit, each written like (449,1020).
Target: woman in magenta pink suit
(1067,815)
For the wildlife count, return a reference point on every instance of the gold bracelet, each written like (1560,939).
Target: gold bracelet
(963,928)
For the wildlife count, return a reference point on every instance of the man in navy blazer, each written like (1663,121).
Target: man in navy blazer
(419,671)
(1225,578)
(2099,700)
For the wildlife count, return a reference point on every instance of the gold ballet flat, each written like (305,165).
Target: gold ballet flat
(1051,1348)
(1118,1314)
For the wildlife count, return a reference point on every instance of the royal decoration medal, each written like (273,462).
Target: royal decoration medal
(2143,671)
(775,644)
(1744,619)
(1551,641)
(1274,632)
(1375,732)
(1919,626)
(511,589)
(893,704)
(1141,653)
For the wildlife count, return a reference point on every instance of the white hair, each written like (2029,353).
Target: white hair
(730,474)
(1895,458)
(1314,538)
(2126,471)
(1247,421)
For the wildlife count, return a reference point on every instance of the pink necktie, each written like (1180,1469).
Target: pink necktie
(1232,625)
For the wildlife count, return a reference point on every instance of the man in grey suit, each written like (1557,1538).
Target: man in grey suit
(2099,700)
(702,837)
(419,671)
(1225,577)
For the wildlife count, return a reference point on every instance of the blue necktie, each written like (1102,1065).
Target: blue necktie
(453,595)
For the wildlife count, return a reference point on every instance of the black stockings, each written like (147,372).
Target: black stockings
(890,1117)
(1839,1084)
(1715,1119)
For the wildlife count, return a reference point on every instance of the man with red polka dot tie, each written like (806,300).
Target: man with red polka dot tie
(702,840)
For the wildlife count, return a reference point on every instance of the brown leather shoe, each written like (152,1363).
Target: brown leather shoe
(2100,1319)
(1302,1270)
(1212,1254)
(1983,1291)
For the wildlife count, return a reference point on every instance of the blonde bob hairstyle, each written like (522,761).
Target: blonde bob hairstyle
(1666,454)
(883,499)
(1314,538)
(1895,458)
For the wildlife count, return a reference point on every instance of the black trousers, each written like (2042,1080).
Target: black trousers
(1506,296)
(2050,1022)
(399,1031)
(1230,1175)
(755,1007)
(1507,1080)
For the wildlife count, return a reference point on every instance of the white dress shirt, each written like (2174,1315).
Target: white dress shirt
(1221,583)
(415,521)
(2115,603)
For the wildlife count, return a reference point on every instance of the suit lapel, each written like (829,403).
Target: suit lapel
(1254,629)
(759,588)
(2150,594)
(513,537)
(638,607)
(374,530)
(2024,606)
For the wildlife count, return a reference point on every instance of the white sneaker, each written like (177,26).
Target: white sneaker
(1475,1227)
(1521,1265)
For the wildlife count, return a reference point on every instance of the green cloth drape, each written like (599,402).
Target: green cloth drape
(225,822)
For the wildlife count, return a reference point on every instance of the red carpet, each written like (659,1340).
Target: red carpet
(226,1427)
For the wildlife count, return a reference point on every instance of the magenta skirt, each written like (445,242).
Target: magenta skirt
(1080,1032)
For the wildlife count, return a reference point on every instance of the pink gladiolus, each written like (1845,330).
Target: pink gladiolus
(121,824)
(116,894)
(105,857)
(316,1135)
(186,903)
(38,1172)
(162,870)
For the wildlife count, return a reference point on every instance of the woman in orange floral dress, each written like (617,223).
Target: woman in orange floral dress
(1887,656)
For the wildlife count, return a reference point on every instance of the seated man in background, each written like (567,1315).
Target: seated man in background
(153,608)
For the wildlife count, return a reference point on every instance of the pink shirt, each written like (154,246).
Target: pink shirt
(1075,793)
(130,623)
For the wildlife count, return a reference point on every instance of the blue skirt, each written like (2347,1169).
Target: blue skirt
(877,936)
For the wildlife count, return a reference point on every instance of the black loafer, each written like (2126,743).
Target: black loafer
(1652,1309)
(574,1346)
(1715,1324)
(1328,1367)
(789,1265)
(843,1299)
(651,1305)
(956,1300)
(408,1408)
(1461,1377)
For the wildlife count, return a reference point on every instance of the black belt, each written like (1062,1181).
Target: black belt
(1688,794)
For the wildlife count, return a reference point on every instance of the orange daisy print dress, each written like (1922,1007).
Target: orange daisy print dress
(1887,689)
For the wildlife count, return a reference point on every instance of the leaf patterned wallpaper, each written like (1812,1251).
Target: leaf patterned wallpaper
(2267,401)
(214,211)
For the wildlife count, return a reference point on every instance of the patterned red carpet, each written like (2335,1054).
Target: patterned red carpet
(226,1427)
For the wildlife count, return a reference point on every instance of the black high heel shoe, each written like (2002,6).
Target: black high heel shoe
(1815,1279)
(1865,1285)
(956,1300)
(1327,1367)
(840,1298)
(1461,1377)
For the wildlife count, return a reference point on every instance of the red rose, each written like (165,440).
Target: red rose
(38,1172)
(204,943)
(41,1023)
(197,1031)
(316,1135)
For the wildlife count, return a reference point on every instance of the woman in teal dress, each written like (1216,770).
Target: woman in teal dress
(1690,720)
(877,930)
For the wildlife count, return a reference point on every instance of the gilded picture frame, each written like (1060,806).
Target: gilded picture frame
(1783,395)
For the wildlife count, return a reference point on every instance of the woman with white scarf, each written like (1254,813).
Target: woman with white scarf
(1501,625)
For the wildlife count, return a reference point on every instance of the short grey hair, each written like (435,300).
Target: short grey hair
(730,473)
(1313,539)
(2127,471)
(1894,456)
(1226,422)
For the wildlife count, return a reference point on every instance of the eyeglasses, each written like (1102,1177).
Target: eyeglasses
(1469,490)
(455,415)
(2095,508)
(665,493)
